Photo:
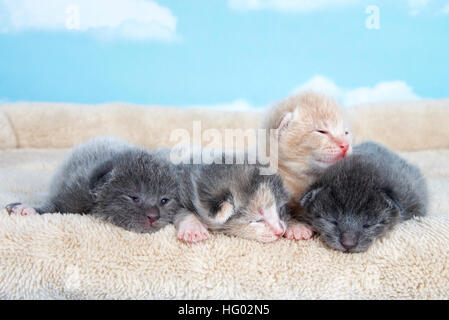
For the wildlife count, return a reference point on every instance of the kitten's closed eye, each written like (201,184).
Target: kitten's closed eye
(369,225)
(322,131)
(326,220)
(136,199)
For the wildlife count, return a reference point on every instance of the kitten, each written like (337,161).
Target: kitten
(311,136)
(363,196)
(116,181)
(231,198)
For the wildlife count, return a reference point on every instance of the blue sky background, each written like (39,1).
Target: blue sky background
(223,54)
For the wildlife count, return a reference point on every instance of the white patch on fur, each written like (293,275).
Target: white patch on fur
(258,231)
(273,221)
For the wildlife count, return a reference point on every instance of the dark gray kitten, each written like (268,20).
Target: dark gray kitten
(231,198)
(363,196)
(116,181)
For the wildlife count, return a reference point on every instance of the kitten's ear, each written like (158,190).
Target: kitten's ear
(284,122)
(221,207)
(225,212)
(392,199)
(309,196)
(284,211)
(100,176)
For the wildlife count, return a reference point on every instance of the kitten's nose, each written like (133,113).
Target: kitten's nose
(279,232)
(153,213)
(277,228)
(348,240)
(271,219)
(344,146)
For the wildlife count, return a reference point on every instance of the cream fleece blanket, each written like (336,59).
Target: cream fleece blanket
(79,257)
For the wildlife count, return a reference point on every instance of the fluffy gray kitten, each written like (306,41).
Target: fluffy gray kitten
(231,198)
(109,178)
(363,196)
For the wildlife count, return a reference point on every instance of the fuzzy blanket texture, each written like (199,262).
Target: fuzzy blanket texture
(63,256)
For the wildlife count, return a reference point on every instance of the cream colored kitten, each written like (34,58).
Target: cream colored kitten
(312,135)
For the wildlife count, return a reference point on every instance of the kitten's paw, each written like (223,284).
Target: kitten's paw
(20,209)
(192,230)
(298,231)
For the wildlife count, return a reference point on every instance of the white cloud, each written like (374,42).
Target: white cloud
(287,5)
(133,19)
(416,6)
(446,9)
(236,105)
(321,84)
(383,91)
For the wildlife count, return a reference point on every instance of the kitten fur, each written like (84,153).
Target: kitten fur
(231,198)
(115,181)
(362,197)
(312,134)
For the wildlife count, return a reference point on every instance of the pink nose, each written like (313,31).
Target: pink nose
(279,233)
(344,146)
(277,230)
(153,213)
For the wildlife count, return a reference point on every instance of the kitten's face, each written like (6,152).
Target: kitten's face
(262,218)
(140,196)
(318,138)
(350,223)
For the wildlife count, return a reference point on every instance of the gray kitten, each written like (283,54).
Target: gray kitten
(116,181)
(231,198)
(363,196)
